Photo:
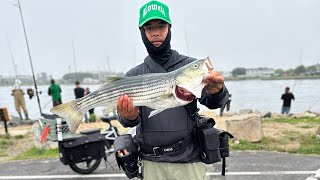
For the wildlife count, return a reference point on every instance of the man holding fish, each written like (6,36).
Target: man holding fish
(159,97)
(159,134)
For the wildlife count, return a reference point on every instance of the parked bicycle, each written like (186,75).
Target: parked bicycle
(83,152)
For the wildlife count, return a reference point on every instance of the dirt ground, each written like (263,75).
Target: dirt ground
(20,145)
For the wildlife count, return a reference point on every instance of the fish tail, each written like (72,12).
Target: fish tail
(72,115)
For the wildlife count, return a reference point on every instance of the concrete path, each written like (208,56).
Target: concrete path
(240,166)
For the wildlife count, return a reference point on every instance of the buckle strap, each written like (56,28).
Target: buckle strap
(159,151)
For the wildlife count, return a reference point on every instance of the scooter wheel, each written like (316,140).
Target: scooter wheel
(85,167)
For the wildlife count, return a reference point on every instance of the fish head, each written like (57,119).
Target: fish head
(188,79)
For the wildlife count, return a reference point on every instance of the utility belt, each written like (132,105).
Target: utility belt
(128,153)
(159,151)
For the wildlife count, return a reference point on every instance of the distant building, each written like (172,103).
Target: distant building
(9,80)
(90,81)
(226,74)
(42,78)
(259,72)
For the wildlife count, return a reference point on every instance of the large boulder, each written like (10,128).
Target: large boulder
(246,127)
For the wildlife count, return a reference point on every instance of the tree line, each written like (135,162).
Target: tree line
(299,70)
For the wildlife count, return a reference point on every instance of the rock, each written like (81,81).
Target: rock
(229,113)
(266,115)
(246,127)
(245,111)
(277,115)
(318,131)
(304,114)
(316,113)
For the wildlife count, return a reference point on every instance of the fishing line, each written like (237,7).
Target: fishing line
(36,113)
(50,100)
(318,100)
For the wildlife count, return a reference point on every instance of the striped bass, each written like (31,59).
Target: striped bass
(158,91)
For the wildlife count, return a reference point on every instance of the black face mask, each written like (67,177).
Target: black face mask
(159,54)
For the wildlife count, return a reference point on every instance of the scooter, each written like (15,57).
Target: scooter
(83,152)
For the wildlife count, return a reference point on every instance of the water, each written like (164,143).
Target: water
(264,96)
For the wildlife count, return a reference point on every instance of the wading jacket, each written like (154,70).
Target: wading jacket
(171,125)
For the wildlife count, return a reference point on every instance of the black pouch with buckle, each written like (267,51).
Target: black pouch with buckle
(208,140)
(127,159)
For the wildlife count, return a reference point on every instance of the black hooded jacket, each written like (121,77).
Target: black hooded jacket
(171,125)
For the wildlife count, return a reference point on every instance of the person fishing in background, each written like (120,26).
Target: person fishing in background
(79,92)
(55,92)
(286,97)
(19,100)
(92,117)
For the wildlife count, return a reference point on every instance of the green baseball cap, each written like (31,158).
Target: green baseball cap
(154,10)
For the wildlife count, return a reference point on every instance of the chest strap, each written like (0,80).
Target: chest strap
(159,151)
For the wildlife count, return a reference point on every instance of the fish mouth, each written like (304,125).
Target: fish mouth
(184,94)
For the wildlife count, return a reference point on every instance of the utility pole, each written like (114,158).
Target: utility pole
(12,59)
(29,54)
(74,61)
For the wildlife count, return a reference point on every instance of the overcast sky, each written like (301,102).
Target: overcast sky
(234,33)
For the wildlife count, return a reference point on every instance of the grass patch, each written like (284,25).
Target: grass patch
(19,137)
(307,126)
(309,144)
(310,121)
(265,144)
(5,142)
(292,141)
(34,153)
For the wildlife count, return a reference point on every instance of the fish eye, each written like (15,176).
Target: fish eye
(195,66)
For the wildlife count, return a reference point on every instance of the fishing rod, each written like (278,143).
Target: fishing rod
(295,80)
(29,54)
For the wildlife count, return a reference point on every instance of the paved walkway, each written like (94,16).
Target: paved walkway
(240,166)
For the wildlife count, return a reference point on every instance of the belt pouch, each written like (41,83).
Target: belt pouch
(208,139)
(127,162)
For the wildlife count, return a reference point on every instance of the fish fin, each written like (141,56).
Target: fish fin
(166,96)
(154,112)
(72,116)
(112,79)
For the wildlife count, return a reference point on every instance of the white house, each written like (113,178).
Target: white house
(259,72)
